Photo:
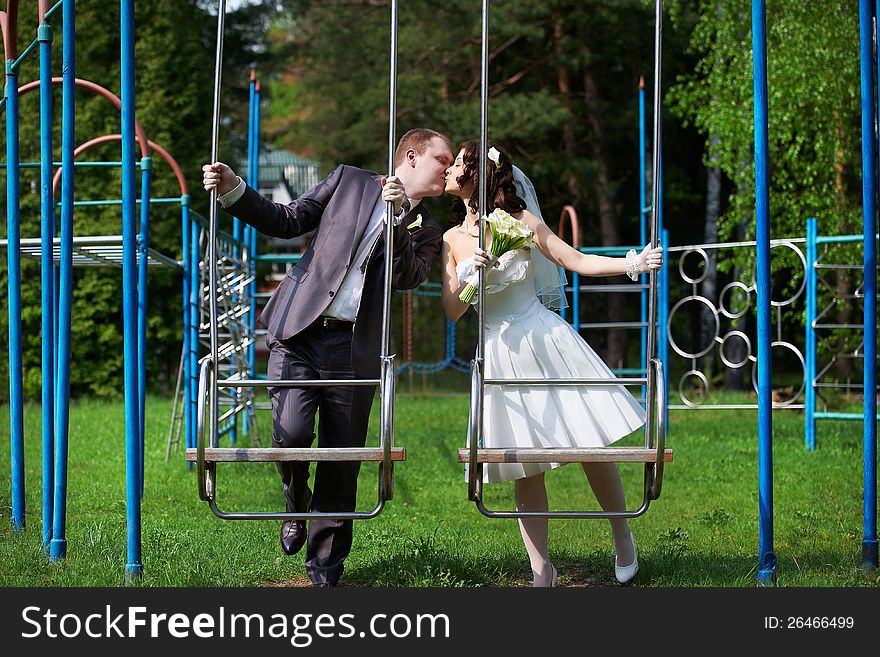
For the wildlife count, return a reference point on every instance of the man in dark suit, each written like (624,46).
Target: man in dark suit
(324,320)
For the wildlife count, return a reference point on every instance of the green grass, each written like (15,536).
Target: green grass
(702,532)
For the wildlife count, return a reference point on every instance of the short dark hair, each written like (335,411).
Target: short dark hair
(500,189)
(418,140)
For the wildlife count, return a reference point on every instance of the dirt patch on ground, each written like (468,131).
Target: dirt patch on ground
(293,582)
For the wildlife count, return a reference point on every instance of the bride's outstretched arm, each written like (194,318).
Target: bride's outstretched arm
(587,264)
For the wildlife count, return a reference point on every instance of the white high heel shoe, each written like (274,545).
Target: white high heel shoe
(626,573)
(552,583)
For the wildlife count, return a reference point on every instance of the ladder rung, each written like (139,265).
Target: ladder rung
(564,455)
(275,454)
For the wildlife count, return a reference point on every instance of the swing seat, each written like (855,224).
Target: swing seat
(275,454)
(564,455)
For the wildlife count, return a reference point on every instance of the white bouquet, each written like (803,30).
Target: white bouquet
(508,234)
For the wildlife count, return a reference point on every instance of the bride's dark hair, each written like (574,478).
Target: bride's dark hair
(500,190)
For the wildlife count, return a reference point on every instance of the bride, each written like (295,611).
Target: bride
(525,339)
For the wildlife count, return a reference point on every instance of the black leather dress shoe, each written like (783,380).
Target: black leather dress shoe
(293,536)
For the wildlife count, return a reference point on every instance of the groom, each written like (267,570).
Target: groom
(324,320)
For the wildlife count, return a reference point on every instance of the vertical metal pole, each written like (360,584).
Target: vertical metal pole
(47,277)
(246,247)
(133,567)
(212,221)
(386,388)
(663,326)
(389,207)
(187,268)
(483,210)
(195,293)
(810,334)
(869,541)
(643,232)
(767,567)
(651,342)
(252,242)
(13,259)
(58,545)
(143,244)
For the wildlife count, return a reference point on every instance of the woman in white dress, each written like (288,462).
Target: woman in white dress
(525,339)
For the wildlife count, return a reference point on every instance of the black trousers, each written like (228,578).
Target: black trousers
(343,414)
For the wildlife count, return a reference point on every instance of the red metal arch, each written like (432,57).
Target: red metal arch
(568,212)
(9,26)
(101,91)
(178,172)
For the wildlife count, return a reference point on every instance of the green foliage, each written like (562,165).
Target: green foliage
(814,111)
(174,78)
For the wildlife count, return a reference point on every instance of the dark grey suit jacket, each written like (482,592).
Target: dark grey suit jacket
(338,210)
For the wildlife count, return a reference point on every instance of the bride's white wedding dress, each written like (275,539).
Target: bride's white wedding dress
(526,340)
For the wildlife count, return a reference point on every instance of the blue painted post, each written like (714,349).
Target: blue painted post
(252,288)
(767,568)
(810,332)
(143,244)
(133,566)
(869,541)
(663,318)
(13,260)
(185,364)
(58,544)
(195,292)
(246,247)
(643,228)
(47,277)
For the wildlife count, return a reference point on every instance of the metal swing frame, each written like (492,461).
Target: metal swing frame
(654,454)
(208,455)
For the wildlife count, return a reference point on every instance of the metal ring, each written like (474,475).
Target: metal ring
(687,278)
(727,313)
(787,345)
(793,297)
(703,381)
(730,363)
(677,349)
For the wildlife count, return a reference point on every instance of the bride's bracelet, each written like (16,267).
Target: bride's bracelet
(632,264)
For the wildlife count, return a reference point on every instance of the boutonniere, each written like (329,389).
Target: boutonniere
(416,224)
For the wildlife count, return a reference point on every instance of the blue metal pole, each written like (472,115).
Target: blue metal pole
(251,175)
(47,277)
(185,365)
(869,541)
(663,292)
(13,259)
(195,293)
(133,566)
(810,356)
(58,545)
(643,228)
(663,318)
(767,568)
(252,288)
(143,243)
